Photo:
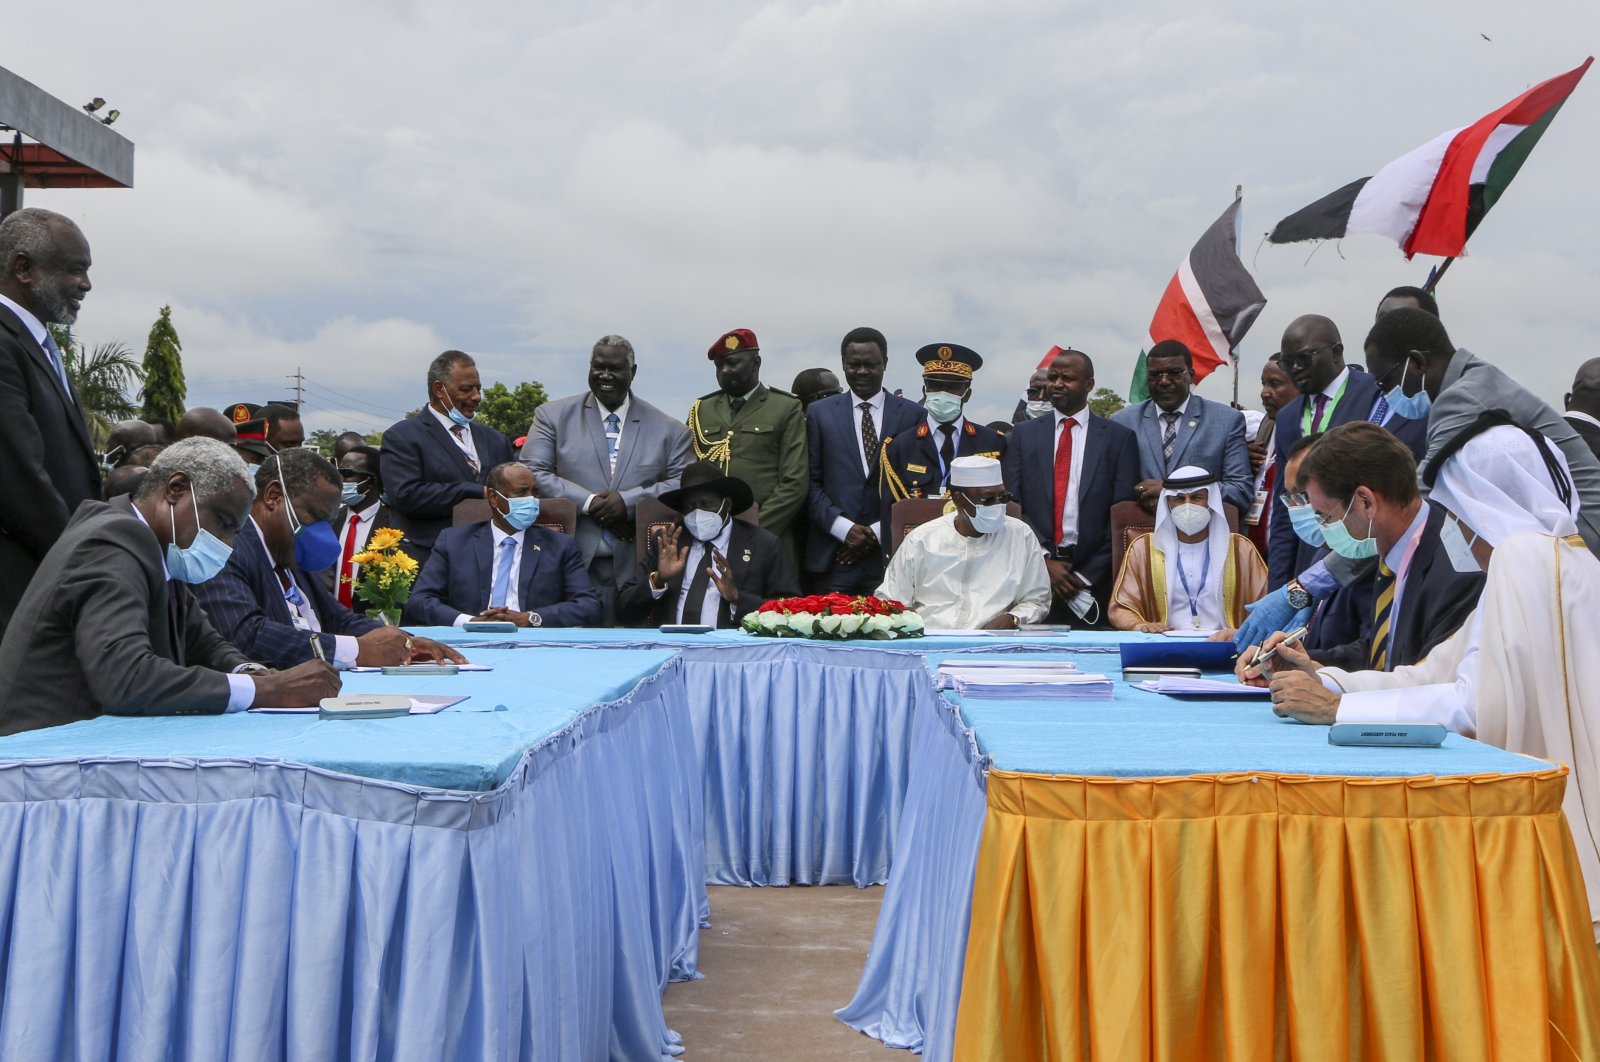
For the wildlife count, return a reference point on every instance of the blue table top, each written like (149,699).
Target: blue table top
(649,637)
(1141,734)
(474,745)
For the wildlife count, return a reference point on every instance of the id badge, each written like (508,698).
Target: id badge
(1260,506)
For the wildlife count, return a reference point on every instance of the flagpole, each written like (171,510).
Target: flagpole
(1433,281)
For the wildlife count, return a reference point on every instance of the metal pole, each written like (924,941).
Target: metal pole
(11,181)
(1438,276)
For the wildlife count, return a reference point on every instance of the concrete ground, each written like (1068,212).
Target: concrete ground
(777,963)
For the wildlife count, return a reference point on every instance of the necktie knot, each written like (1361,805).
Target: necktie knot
(1384,569)
(612,423)
(456,430)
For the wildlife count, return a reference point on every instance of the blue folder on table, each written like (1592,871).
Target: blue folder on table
(1179,652)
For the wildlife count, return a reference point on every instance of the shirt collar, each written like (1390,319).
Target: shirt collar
(876,401)
(444,418)
(621,411)
(1180,409)
(1578,414)
(370,512)
(34,326)
(1335,383)
(751,394)
(500,536)
(958,424)
(1080,417)
(165,572)
(722,539)
(1399,554)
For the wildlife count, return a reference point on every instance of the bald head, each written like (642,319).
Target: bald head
(1585,396)
(1312,352)
(206,423)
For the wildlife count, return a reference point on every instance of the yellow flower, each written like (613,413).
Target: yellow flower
(384,538)
(405,562)
(369,557)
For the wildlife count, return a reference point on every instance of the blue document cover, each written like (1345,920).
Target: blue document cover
(1179,652)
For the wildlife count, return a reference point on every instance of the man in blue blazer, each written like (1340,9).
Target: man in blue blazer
(844,543)
(505,569)
(268,600)
(1331,394)
(1067,488)
(1176,427)
(437,458)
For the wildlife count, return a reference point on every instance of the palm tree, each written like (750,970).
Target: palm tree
(102,381)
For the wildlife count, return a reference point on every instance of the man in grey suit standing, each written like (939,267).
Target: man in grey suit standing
(1410,352)
(1176,427)
(605,449)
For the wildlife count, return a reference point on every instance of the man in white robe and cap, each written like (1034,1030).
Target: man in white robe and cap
(975,567)
(1523,672)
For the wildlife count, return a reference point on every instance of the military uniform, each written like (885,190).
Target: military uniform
(764,445)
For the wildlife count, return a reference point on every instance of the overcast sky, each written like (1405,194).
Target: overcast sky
(351,188)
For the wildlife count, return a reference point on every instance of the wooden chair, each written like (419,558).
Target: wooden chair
(1129,521)
(913,512)
(557,514)
(652,517)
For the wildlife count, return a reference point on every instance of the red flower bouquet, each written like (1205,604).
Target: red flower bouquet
(834,617)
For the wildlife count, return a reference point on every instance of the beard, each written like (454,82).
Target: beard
(56,308)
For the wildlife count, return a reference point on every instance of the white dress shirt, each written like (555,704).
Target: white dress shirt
(363,524)
(1080,436)
(622,426)
(1308,414)
(1399,561)
(241,688)
(700,557)
(465,442)
(936,429)
(513,592)
(842,524)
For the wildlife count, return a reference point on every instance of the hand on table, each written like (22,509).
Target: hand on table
(300,686)
(383,647)
(1003,622)
(1292,657)
(1296,695)
(1152,628)
(438,652)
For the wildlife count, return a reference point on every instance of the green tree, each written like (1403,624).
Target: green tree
(164,390)
(1105,402)
(508,411)
(101,380)
(323,439)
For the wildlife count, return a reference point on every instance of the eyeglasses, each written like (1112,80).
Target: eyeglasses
(1166,374)
(1003,498)
(1302,357)
(827,394)
(1035,392)
(1294,497)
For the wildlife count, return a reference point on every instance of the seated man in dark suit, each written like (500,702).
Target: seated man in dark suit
(268,599)
(505,569)
(108,625)
(733,566)
(1362,483)
(439,457)
(1067,470)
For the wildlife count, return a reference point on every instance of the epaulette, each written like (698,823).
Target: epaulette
(786,394)
(972,429)
(922,430)
(713,394)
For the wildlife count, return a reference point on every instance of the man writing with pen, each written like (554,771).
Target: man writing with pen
(268,601)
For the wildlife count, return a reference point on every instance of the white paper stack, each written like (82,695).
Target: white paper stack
(1178,686)
(1024,681)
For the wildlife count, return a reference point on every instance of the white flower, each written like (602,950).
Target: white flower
(771,620)
(851,624)
(878,625)
(803,623)
(909,621)
(829,624)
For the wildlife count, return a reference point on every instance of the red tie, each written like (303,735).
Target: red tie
(1063,477)
(345,571)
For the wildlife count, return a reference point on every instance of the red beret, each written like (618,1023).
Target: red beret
(733,342)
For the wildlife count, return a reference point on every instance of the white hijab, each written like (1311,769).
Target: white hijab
(1166,540)
(1499,485)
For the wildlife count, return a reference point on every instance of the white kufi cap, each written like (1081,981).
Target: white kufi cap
(974,472)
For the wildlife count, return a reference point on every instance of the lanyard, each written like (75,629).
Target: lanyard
(1183,577)
(1327,410)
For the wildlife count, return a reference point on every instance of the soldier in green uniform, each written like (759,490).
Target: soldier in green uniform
(916,463)
(754,433)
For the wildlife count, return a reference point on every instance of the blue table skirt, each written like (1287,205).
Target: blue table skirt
(158,908)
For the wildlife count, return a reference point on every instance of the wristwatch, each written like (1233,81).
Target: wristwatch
(1299,596)
(534,620)
(251,669)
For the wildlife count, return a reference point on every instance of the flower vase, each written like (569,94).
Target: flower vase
(389,617)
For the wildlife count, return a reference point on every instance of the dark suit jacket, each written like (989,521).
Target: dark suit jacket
(1110,471)
(1210,436)
(425,474)
(245,601)
(460,574)
(1435,601)
(99,631)
(330,578)
(1287,555)
(1588,432)
(47,462)
(914,458)
(756,558)
(839,487)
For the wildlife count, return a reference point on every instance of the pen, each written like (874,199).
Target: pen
(1294,636)
(316,649)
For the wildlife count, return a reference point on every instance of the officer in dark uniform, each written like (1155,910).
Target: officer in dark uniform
(250,432)
(916,464)
(754,433)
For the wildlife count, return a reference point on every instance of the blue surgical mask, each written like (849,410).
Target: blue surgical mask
(1304,521)
(200,560)
(521,513)
(316,546)
(455,414)
(1342,542)
(351,494)
(1411,407)
(942,406)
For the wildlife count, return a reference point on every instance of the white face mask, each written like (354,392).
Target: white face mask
(1458,549)
(1190,518)
(704,524)
(987,519)
(1039,409)
(1084,606)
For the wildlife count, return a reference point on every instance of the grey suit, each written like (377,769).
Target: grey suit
(1472,385)
(99,631)
(1210,436)
(567,451)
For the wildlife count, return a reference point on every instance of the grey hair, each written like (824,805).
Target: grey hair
(212,467)
(27,232)
(616,341)
(440,368)
(297,469)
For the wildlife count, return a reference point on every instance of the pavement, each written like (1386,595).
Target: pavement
(777,963)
